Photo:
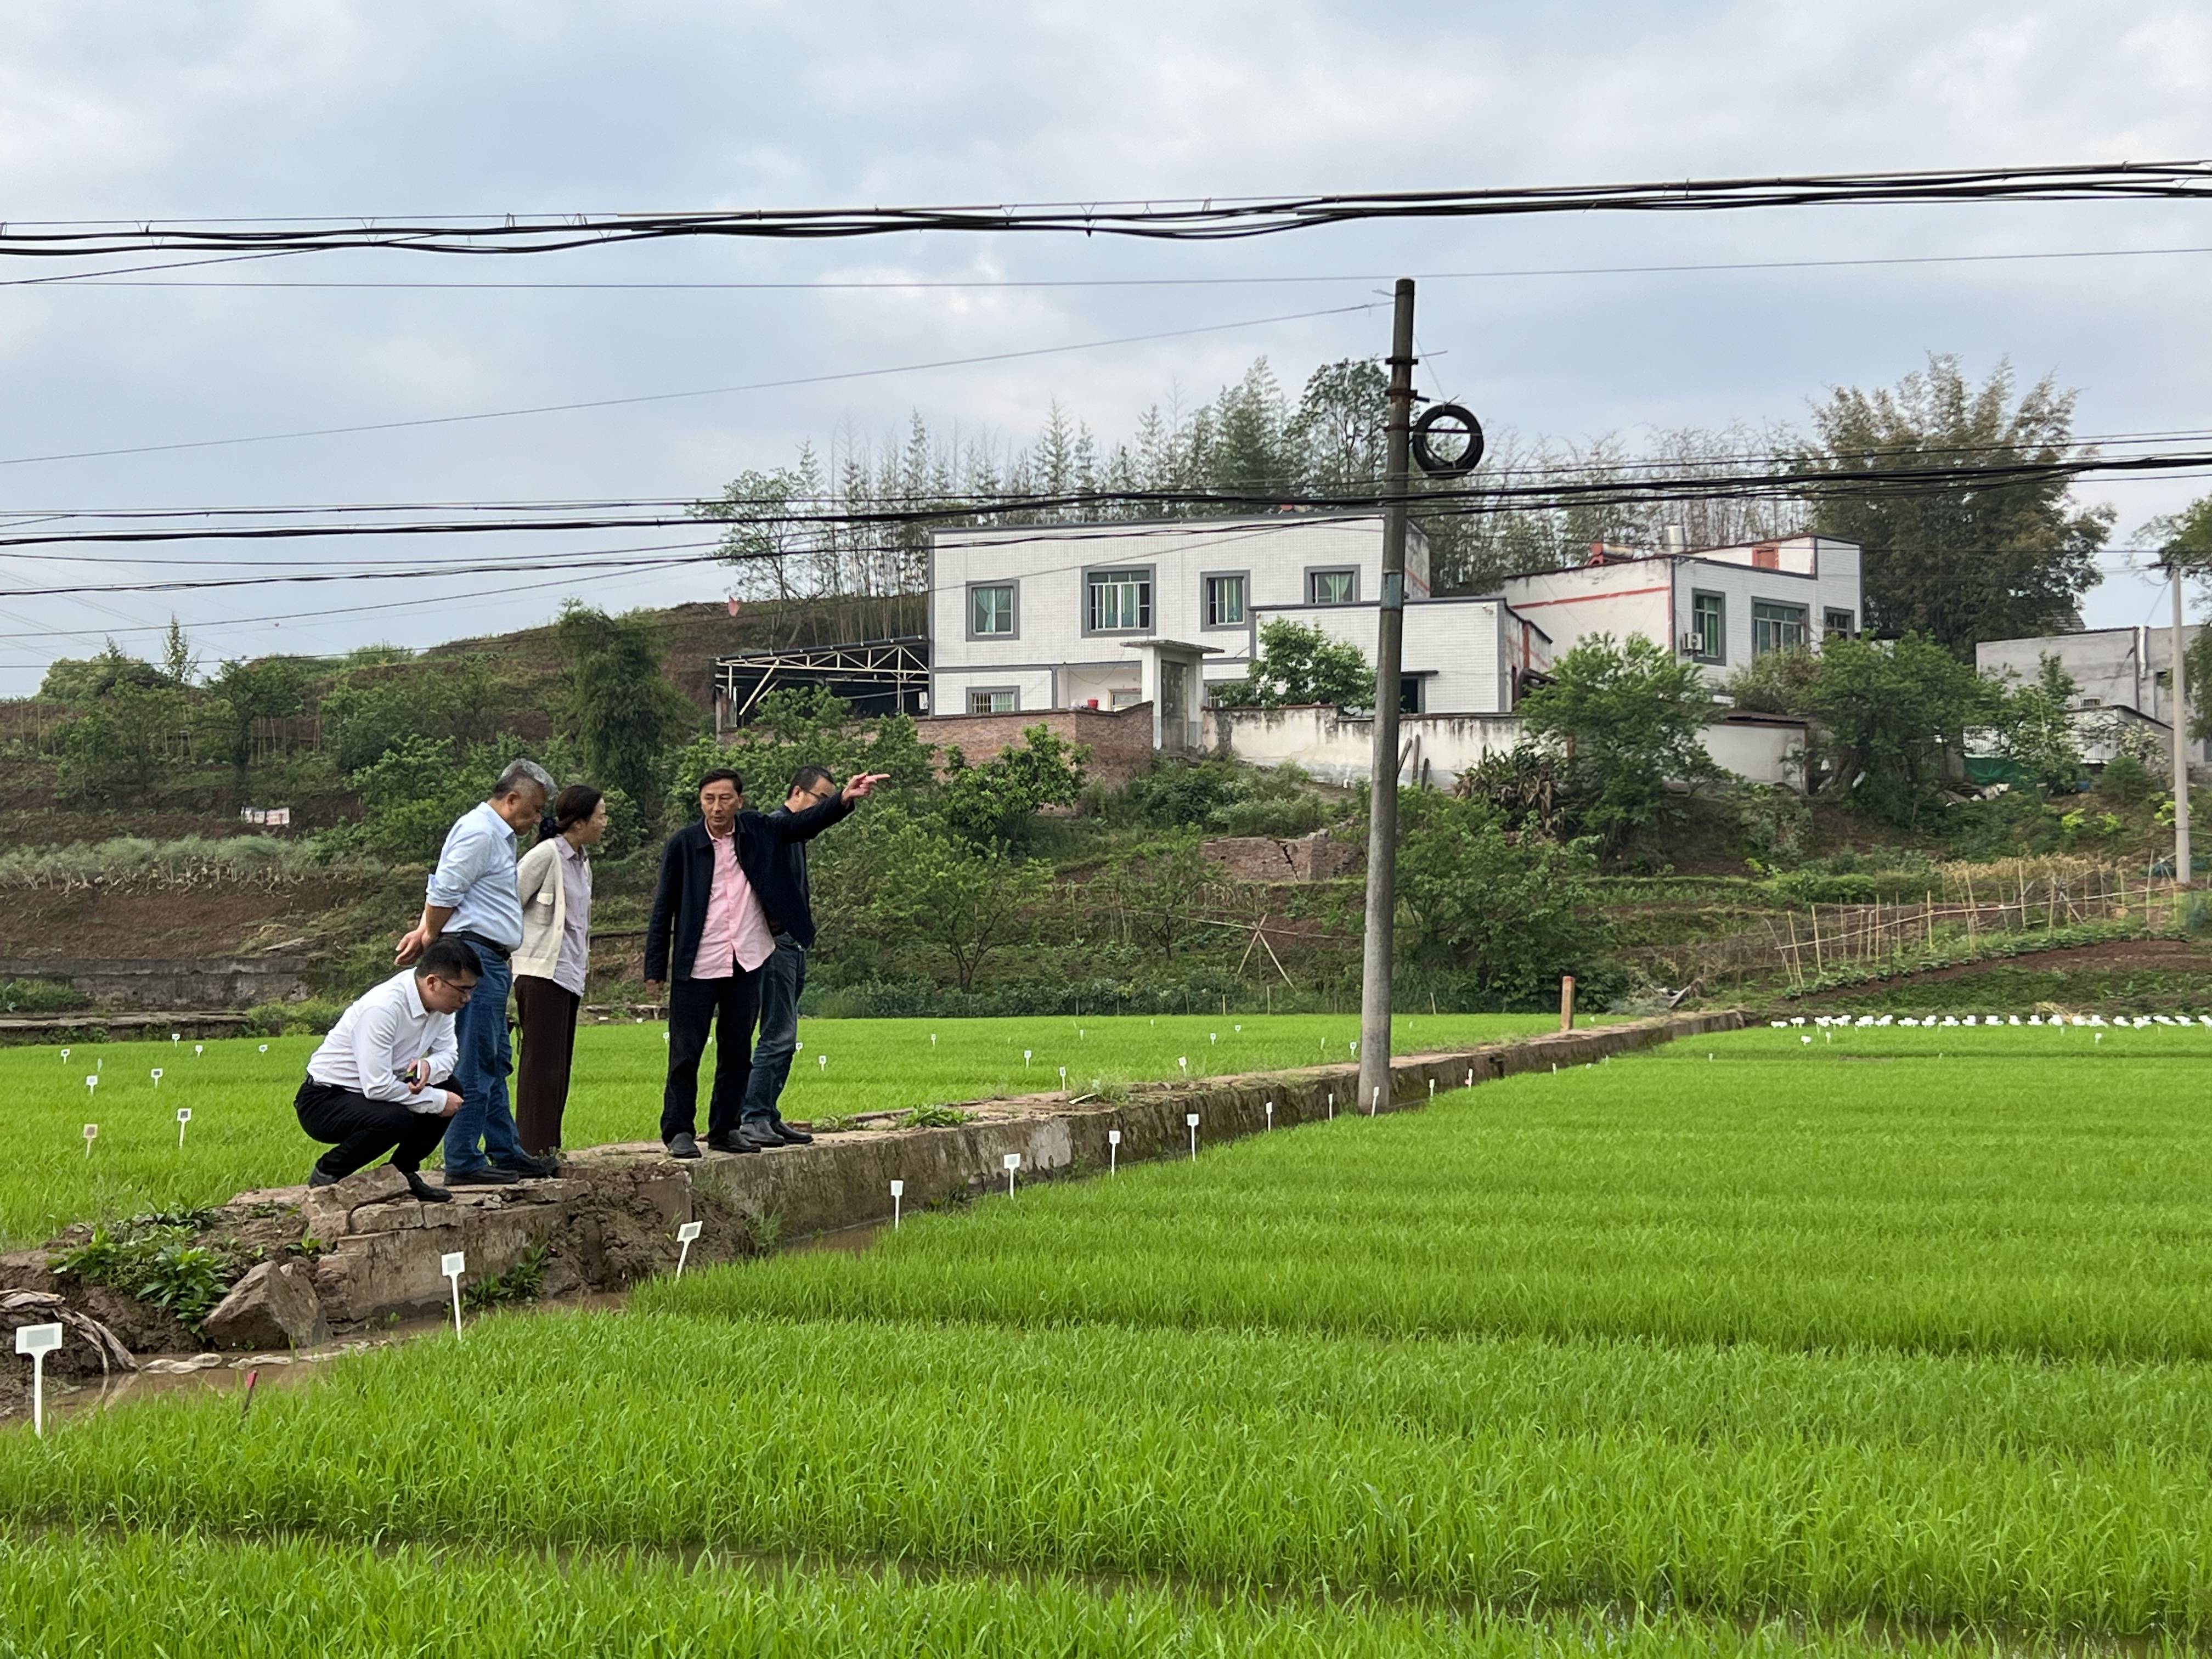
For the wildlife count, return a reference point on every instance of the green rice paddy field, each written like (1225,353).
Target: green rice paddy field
(1897,1340)
(243,1135)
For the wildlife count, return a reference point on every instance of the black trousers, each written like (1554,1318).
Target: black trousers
(728,1006)
(360,1130)
(549,1049)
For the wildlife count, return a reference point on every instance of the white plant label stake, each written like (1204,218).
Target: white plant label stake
(64,1056)
(1432,1088)
(37,1341)
(686,1232)
(453,1264)
(91,1132)
(1183,1060)
(1374,1101)
(898,1192)
(1191,1118)
(184,1116)
(1026,1053)
(176,1036)
(1113,1151)
(1271,1114)
(1063,1078)
(1332,1105)
(822,1062)
(156,1075)
(199,1048)
(1013,1162)
(264,1048)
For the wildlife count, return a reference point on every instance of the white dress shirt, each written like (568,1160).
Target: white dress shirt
(375,1040)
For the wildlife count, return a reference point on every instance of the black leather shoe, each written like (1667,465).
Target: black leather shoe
(317,1178)
(760,1137)
(682,1146)
(424,1190)
(791,1137)
(490,1175)
(736,1143)
(528,1168)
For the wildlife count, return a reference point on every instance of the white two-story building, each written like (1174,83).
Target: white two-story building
(1719,606)
(1108,616)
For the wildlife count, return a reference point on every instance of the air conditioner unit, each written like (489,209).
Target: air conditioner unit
(1690,645)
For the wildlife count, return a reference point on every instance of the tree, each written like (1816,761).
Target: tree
(1341,425)
(121,750)
(241,693)
(1627,722)
(993,803)
(1160,886)
(1298,664)
(1967,561)
(2034,725)
(180,664)
(1512,912)
(1886,711)
(953,899)
(803,727)
(85,680)
(2184,541)
(619,709)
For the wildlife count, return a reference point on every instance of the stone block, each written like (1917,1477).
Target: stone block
(328,1210)
(556,1191)
(274,1306)
(395,1215)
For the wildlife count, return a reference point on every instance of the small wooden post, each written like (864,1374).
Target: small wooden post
(1567,1002)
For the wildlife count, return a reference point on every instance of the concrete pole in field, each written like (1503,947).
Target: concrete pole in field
(2182,866)
(1389,642)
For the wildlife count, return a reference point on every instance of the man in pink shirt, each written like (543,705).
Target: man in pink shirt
(714,917)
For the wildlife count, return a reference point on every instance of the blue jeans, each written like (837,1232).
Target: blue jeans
(480,1074)
(782,977)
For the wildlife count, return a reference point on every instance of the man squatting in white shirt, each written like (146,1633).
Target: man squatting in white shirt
(375,1085)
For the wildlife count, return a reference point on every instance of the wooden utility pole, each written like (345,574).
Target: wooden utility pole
(1383,792)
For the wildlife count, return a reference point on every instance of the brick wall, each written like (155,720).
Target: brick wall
(1120,739)
(1262,857)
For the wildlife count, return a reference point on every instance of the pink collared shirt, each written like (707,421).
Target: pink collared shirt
(735,930)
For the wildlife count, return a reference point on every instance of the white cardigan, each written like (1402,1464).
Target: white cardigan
(544,898)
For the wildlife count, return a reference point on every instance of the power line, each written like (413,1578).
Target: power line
(672,397)
(1475,501)
(1211,219)
(106,278)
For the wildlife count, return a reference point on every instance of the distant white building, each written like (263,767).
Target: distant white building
(2125,681)
(1718,606)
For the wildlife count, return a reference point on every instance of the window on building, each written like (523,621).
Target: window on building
(1120,600)
(990,610)
(994,703)
(1332,586)
(1224,601)
(1777,627)
(1409,693)
(1708,626)
(1836,622)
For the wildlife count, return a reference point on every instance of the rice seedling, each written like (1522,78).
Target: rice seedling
(2048,1205)
(1729,1482)
(244,1134)
(190,1597)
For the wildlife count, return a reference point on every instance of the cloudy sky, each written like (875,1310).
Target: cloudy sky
(291,108)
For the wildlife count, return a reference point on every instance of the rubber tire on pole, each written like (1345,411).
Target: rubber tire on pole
(1427,459)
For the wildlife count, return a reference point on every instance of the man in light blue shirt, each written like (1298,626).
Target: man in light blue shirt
(473,898)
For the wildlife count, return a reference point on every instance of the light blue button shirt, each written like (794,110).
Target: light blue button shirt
(475,878)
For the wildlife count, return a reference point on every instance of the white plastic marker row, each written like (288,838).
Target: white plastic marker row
(2140,1022)
(37,1341)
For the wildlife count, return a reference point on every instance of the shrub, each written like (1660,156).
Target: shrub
(154,1259)
(40,996)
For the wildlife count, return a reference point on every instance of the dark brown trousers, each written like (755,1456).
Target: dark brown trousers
(549,1046)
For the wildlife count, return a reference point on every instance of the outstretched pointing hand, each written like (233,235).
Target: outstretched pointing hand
(861,788)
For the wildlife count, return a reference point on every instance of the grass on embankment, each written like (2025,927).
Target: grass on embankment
(243,1134)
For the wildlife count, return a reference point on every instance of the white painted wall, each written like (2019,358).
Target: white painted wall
(1653,597)
(1335,748)
(1051,657)
(1463,650)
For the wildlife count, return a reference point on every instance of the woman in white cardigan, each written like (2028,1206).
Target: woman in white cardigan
(554,881)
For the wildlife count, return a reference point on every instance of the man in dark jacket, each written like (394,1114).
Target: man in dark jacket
(725,890)
(782,978)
